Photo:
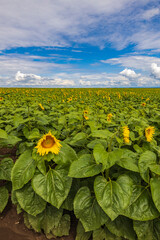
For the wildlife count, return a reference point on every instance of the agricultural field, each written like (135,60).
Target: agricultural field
(87,154)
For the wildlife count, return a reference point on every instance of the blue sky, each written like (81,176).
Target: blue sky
(87,43)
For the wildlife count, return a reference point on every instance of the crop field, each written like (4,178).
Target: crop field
(91,154)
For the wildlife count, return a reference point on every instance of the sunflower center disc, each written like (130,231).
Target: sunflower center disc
(49,142)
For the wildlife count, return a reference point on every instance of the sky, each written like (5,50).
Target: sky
(80,43)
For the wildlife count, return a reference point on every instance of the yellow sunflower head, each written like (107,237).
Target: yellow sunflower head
(149,131)
(143,104)
(126,134)
(41,106)
(109,116)
(48,143)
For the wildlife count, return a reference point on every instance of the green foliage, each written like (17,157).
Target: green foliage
(3,198)
(111,185)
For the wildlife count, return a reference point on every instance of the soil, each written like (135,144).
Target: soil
(12,227)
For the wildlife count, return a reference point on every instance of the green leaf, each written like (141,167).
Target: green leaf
(34,222)
(51,218)
(34,134)
(99,234)
(141,206)
(113,196)
(52,187)
(155,186)
(23,170)
(122,227)
(18,120)
(29,200)
(3,134)
(155,169)
(128,160)
(11,140)
(146,159)
(63,227)
(68,202)
(66,155)
(81,234)
(88,211)
(3,198)
(102,134)
(85,166)
(97,141)
(108,159)
(6,166)
(146,230)
(79,139)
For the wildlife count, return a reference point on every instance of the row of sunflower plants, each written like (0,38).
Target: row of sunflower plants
(104,169)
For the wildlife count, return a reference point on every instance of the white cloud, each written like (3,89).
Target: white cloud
(150,13)
(137,62)
(12,63)
(155,70)
(21,76)
(129,73)
(35,80)
(59,23)
(78,80)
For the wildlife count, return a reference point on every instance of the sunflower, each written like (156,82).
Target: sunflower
(109,116)
(143,104)
(41,106)
(126,134)
(48,143)
(149,131)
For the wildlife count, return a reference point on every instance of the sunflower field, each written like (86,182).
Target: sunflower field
(89,153)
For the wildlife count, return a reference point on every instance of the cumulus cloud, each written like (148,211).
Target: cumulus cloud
(129,73)
(78,80)
(23,77)
(140,62)
(155,70)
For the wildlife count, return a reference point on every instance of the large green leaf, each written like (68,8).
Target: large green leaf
(146,159)
(108,159)
(6,166)
(51,218)
(85,166)
(141,206)
(3,198)
(102,133)
(155,187)
(81,234)
(97,141)
(52,187)
(147,230)
(113,196)
(63,227)
(155,168)
(68,202)
(46,220)
(88,210)
(122,227)
(128,160)
(3,134)
(80,139)
(66,155)
(23,170)
(29,200)
(104,234)
(99,234)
